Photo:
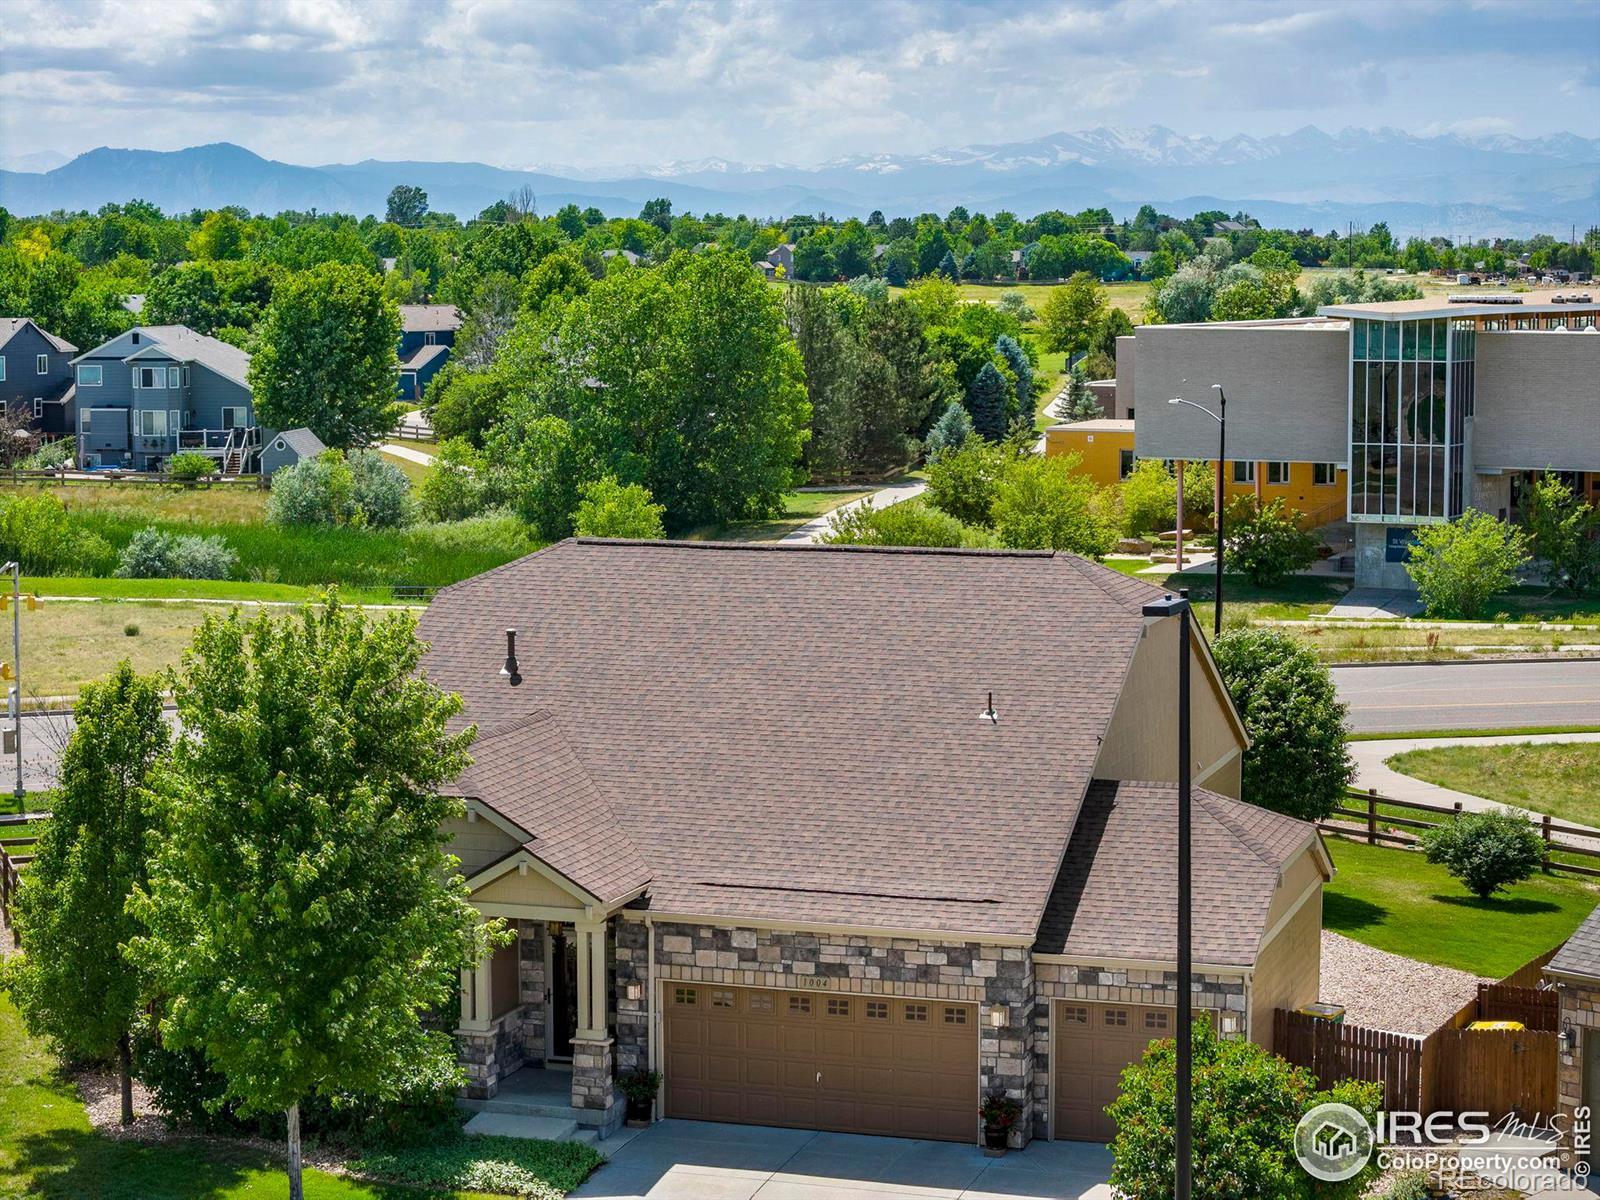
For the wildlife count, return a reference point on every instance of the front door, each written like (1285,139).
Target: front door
(563,994)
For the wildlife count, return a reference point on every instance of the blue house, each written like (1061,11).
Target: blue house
(36,376)
(427,334)
(158,389)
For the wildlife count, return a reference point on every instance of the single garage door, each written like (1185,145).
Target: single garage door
(815,1060)
(1093,1043)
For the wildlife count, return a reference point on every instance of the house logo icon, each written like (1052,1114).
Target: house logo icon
(1333,1142)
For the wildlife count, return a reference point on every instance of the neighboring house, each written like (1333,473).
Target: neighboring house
(1138,258)
(427,334)
(158,389)
(768,271)
(815,862)
(36,376)
(783,256)
(1575,974)
(288,448)
(633,259)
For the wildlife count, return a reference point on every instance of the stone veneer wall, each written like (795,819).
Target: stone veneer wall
(989,976)
(1103,983)
(1580,1004)
(531,940)
(517,1037)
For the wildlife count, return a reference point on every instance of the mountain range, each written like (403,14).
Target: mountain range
(1420,184)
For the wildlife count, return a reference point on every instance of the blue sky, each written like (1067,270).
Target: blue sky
(598,84)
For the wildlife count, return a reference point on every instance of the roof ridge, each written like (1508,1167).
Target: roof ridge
(1094,577)
(815,547)
(1227,820)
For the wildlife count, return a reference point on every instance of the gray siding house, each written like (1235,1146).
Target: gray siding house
(36,376)
(288,448)
(427,334)
(158,389)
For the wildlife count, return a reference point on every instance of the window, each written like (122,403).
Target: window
(38,406)
(149,377)
(877,1010)
(2,368)
(185,375)
(1075,1014)
(800,1005)
(429,339)
(954,1014)
(721,999)
(83,420)
(838,1007)
(1124,463)
(89,375)
(235,417)
(1324,474)
(685,996)
(1116,1018)
(1130,414)
(1155,1021)
(1277,472)
(917,1014)
(1244,472)
(41,364)
(760,1002)
(173,377)
(152,422)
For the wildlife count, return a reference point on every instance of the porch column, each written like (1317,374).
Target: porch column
(594,1091)
(475,1040)
(1179,565)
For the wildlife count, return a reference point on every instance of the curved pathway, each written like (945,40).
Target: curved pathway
(813,529)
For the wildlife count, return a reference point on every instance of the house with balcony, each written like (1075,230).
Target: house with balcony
(36,376)
(156,390)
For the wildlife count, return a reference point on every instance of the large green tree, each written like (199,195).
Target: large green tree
(326,358)
(301,911)
(1072,312)
(407,205)
(71,982)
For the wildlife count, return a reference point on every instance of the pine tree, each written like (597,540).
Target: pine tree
(1080,404)
(1006,346)
(947,266)
(949,432)
(986,401)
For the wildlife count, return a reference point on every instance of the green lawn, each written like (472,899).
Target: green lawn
(414,471)
(49,1150)
(1396,900)
(798,508)
(1559,778)
(192,589)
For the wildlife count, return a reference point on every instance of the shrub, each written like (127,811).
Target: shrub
(51,455)
(1247,1102)
(1265,543)
(1298,761)
(963,480)
(1040,504)
(130,630)
(188,466)
(454,485)
(1459,565)
(503,1165)
(608,509)
(1486,850)
(909,523)
(153,554)
(380,491)
(1408,1185)
(1564,530)
(36,531)
(363,489)
(1149,497)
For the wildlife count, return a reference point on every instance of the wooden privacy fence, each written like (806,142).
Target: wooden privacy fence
(1335,1052)
(1372,825)
(1493,1071)
(1535,1007)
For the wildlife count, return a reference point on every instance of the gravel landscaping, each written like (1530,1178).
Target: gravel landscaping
(1380,990)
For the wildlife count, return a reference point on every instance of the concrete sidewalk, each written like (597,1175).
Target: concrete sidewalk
(407,453)
(813,529)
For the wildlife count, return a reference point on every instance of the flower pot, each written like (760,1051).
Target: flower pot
(638,1112)
(994,1141)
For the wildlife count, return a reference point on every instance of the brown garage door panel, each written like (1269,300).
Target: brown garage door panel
(850,1063)
(1093,1044)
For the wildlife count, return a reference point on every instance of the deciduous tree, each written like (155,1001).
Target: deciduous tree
(407,205)
(1072,312)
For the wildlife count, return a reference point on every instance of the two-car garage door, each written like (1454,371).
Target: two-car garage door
(821,1060)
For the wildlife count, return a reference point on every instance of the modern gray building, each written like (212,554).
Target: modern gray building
(156,390)
(1424,408)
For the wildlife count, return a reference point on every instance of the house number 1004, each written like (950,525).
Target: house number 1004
(811,981)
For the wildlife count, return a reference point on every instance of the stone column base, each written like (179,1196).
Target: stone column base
(594,1085)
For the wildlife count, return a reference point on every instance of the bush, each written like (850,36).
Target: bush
(963,480)
(608,509)
(909,523)
(1408,1185)
(153,554)
(503,1165)
(36,531)
(1486,850)
(380,490)
(1298,761)
(1564,530)
(362,489)
(51,455)
(1149,497)
(1265,543)
(464,403)
(1040,504)
(1459,565)
(1247,1102)
(454,486)
(188,466)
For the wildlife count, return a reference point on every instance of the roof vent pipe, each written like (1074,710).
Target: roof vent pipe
(511,672)
(989,713)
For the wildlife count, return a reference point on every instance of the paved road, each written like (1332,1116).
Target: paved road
(1470,695)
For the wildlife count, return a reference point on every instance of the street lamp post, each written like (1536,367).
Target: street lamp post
(1221,418)
(1183,1150)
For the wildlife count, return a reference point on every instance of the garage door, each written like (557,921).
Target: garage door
(857,1064)
(1093,1043)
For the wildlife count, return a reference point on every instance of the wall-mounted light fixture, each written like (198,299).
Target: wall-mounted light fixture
(999,1016)
(1569,1038)
(634,991)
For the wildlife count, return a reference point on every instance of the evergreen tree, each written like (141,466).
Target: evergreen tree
(986,401)
(1006,346)
(1080,404)
(949,432)
(71,982)
(947,266)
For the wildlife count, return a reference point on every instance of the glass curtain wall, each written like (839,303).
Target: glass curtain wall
(1401,440)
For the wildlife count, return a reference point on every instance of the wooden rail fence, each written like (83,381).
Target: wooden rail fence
(15,853)
(1360,817)
(1335,1052)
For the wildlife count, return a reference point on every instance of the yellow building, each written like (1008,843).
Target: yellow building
(1105,449)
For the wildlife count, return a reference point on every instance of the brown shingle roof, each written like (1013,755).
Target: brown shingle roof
(429,318)
(793,733)
(1580,956)
(1117,892)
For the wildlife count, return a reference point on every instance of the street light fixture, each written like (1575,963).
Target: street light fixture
(1178,606)
(1221,418)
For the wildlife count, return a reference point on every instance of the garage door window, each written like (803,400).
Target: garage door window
(1155,1021)
(954,1015)
(917,1014)
(684,996)
(760,1002)
(800,1004)
(721,999)
(1116,1018)
(838,1008)
(877,1010)
(1075,1014)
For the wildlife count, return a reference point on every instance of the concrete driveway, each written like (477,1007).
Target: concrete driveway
(695,1160)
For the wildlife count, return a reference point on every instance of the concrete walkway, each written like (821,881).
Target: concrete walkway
(408,453)
(696,1160)
(813,529)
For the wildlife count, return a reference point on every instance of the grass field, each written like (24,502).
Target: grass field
(49,1151)
(414,471)
(1396,900)
(190,589)
(214,504)
(798,508)
(1562,779)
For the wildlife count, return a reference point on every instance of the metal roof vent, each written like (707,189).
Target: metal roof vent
(989,714)
(511,672)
